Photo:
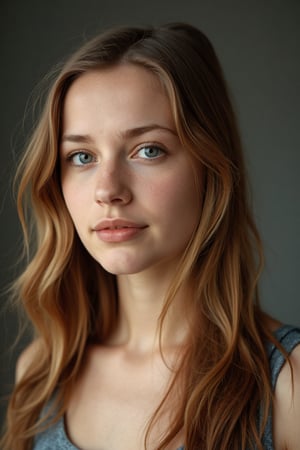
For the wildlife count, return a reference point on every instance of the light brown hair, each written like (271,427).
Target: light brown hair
(225,373)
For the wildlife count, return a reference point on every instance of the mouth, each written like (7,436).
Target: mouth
(118,230)
(117,224)
(119,227)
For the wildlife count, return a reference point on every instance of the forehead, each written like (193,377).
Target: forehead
(125,92)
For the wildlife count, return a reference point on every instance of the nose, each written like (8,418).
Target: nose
(112,184)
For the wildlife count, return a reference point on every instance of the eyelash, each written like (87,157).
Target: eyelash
(72,156)
(151,146)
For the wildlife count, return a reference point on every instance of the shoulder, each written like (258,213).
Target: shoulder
(26,357)
(286,412)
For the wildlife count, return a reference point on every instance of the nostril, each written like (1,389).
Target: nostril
(113,196)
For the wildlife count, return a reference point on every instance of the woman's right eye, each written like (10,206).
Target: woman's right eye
(81,158)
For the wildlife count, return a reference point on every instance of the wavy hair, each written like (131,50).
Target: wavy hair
(70,299)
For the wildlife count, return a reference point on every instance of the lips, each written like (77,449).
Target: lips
(116,224)
(118,230)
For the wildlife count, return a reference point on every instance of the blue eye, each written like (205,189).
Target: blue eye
(150,152)
(81,159)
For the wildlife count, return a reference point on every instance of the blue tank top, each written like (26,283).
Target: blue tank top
(55,437)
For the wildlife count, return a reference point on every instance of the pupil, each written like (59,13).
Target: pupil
(151,150)
(84,158)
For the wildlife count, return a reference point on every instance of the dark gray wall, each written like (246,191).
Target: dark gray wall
(258,44)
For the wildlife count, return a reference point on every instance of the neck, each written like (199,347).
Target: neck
(141,302)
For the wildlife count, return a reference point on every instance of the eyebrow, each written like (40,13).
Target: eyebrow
(77,138)
(130,133)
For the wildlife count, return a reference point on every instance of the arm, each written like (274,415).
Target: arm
(287,406)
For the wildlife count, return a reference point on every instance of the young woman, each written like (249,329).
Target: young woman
(142,285)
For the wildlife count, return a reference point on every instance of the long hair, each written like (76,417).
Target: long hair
(70,299)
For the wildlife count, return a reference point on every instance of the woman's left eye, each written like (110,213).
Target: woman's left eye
(150,152)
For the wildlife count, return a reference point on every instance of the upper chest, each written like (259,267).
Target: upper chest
(114,400)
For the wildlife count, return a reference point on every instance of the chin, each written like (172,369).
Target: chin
(120,270)
(117,267)
(131,263)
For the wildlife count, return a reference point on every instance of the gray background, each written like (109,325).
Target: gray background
(258,44)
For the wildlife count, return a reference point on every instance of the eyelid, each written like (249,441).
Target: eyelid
(155,145)
(71,155)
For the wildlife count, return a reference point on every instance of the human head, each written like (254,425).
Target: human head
(185,62)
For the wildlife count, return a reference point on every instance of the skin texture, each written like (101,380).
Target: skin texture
(157,194)
(287,406)
(121,159)
(143,177)
(121,180)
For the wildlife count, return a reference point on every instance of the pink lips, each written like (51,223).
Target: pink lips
(117,230)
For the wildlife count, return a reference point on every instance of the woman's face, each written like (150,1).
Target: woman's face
(127,182)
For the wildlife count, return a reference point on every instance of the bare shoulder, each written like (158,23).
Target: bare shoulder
(26,357)
(287,405)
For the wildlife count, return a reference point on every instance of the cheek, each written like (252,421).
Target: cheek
(74,199)
(188,206)
(177,199)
